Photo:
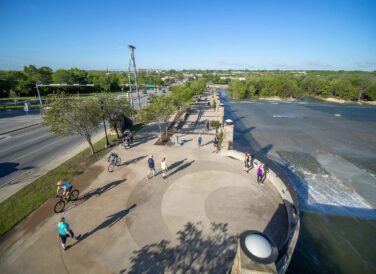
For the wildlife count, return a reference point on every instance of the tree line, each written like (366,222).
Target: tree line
(162,107)
(344,85)
(22,83)
(69,115)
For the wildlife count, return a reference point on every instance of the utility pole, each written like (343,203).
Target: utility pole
(40,100)
(132,68)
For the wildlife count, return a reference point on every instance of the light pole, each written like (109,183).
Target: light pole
(40,100)
(101,102)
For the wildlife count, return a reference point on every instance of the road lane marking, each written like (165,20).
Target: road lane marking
(36,150)
(25,142)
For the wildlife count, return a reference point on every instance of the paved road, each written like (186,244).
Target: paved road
(24,152)
(18,118)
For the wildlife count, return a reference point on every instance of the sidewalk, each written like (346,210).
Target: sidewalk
(199,114)
(186,222)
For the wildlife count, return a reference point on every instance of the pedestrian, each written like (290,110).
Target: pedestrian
(260,173)
(164,167)
(215,144)
(246,162)
(65,232)
(199,139)
(251,160)
(151,165)
(207,125)
(266,170)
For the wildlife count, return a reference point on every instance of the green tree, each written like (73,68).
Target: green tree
(114,109)
(159,111)
(70,116)
(13,95)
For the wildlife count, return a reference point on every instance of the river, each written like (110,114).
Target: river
(331,151)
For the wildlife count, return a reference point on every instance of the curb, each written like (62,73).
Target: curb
(16,129)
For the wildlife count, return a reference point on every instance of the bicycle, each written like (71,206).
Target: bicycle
(113,164)
(63,201)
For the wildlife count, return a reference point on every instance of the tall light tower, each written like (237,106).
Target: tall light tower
(133,70)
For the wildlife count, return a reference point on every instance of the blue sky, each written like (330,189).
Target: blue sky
(212,34)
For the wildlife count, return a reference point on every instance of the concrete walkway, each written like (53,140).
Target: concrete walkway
(187,222)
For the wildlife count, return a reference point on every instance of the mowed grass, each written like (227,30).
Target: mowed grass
(22,203)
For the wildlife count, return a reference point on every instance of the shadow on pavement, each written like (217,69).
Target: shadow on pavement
(141,139)
(95,192)
(133,161)
(110,221)
(195,252)
(180,166)
(10,167)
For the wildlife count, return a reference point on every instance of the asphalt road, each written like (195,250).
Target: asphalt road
(23,151)
(18,118)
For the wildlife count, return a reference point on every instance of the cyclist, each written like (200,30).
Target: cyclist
(113,157)
(66,186)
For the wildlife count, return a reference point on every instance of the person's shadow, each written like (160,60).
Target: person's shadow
(108,222)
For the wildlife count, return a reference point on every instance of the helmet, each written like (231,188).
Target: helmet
(59,182)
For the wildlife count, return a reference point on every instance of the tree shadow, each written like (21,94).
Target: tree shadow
(108,222)
(264,151)
(7,168)
(133,161)
(196,252)
(143,138)
(179,168)
(95,192)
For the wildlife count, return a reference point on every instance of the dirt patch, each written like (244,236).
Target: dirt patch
(164,140)
(84,180)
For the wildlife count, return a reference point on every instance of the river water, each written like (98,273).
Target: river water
(331,151)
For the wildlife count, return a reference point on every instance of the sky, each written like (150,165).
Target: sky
(189,34)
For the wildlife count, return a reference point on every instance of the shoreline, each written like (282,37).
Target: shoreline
(321,100)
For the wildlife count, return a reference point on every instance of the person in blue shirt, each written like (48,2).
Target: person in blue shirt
(151,165)
(65,186)
(65,232)
(113,156)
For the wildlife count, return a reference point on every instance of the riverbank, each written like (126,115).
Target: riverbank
(322,153)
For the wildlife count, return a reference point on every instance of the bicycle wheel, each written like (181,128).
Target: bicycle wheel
(110,167)
(74,195)
(118,161)
(59,207)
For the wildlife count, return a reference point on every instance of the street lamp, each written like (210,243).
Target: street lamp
(101,102)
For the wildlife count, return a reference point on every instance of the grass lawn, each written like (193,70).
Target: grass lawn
(22,203)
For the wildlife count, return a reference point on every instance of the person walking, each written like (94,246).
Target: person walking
(65,232)
(266,170)
(246,162)
(151,165)
(199,140)
(251,161)
(207,125)
(164,167)
(260,173)
(215,144)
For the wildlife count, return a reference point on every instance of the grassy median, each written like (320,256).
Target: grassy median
(22,203)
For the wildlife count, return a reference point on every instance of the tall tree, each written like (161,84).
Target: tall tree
(70,116)
(159,111)
(114,108)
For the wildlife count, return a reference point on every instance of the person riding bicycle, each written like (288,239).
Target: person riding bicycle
(66,186)
(113,157)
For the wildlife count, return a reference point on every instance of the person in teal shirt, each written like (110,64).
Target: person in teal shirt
(65,231)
